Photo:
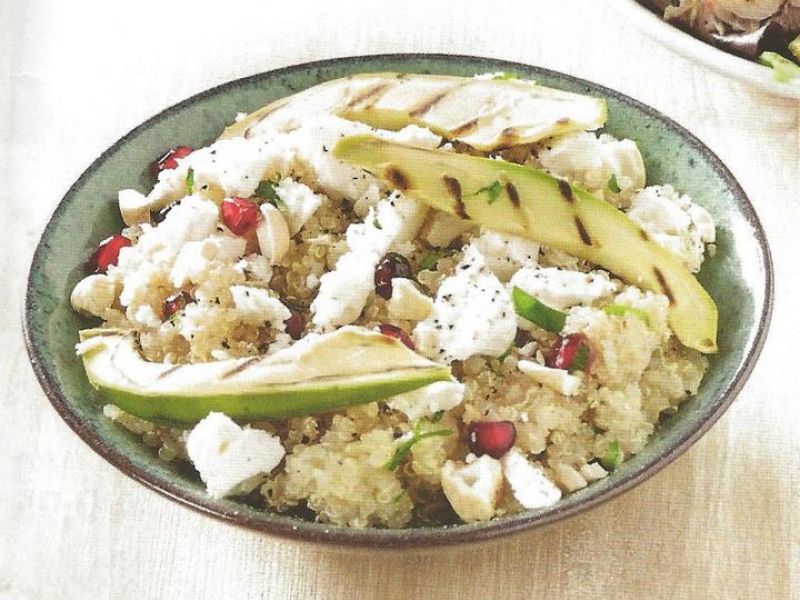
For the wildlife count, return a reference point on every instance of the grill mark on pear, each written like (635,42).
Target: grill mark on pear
(169,372)
(374,93)
(643,235)
(566,191)
(664,285)
(507,137)
(513,194)
(239,368)
(585,238)
(465,128)
(428,104)
(397,178)
(453,186)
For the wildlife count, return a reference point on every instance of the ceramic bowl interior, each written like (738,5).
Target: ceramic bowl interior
(738,277)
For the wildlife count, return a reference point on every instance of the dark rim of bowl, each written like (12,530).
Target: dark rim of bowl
(391,539)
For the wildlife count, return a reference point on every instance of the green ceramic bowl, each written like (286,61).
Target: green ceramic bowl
(739,278)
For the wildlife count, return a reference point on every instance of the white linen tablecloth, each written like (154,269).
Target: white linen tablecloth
(721,522)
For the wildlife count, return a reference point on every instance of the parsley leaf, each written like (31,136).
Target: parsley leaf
(613,457)
(613,185)
(437,416)
(403,449)
(266,191)
(431,260)
(190,181)
(376,224)
(493,190)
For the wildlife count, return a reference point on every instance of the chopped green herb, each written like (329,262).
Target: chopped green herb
(437,416)
(783,69)
(431,260)
(581,358)
(403,449)
(190,181)
(620,310)
(376,224)
(613,457)
(613,185)
(266,191)
(506,75)
(537,312)
(493,190)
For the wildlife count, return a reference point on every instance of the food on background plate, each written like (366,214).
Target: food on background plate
(763,30)
(399,300)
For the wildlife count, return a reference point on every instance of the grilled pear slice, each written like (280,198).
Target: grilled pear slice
(524,201)
(352,365)
(487,114)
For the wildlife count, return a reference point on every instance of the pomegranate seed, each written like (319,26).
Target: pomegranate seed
(107,252)
(295,325)
(396,332)
(570,352)
(390,266)
(494,438)
(175,303)
(240,215)
(170,159)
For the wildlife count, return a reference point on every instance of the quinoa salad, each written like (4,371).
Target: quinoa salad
(399,300)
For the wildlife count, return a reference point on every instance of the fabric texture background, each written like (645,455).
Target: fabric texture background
(721,522)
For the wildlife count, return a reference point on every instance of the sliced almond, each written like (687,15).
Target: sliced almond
(273,234)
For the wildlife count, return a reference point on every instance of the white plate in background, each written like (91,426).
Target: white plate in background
(701,52)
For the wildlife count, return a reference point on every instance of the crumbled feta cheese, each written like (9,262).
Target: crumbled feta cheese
(300,200)
(343,291)
(226,456)
(506,254)
(134,207)
(529,483)
(423,402)
(655,306)
(593,472)
(569,479)
(256,268)
(192,263)
(556,379)
(442,228)
(407,301)
(674,222)
(192,220)
(474,489)
(256,306)
(561,289)
(94,295)
(472,314)
(145,316)
(592,160)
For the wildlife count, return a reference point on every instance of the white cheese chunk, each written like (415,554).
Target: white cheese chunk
(192,220)
(561,289)
(529,483)
(407,302)
(300,200)
(674,222)
(506,254)
(255,305)
(343,292)
(592,160)
(473,489)
(423,402)
(94,295)
(472,314)
(227,456)
(194,258)
(556,379)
